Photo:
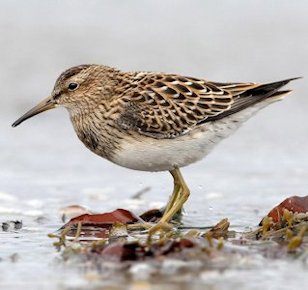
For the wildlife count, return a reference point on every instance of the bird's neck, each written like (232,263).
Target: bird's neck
(95,131)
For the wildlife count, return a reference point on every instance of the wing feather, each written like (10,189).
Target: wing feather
(167,105)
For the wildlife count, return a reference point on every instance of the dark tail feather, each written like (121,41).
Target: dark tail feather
(267,90)
(254,96)
(279,94)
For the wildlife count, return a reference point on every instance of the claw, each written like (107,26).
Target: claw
(161,227)
(138,226)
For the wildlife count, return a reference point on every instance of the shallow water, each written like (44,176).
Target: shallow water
(43,167)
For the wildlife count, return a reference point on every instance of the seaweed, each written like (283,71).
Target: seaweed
(122,237)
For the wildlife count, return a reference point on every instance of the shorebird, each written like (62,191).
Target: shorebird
(154,121)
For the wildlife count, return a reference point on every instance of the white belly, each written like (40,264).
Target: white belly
(149,154)
(159,155)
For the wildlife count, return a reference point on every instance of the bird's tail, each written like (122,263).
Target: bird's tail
(269,90)
(259,95)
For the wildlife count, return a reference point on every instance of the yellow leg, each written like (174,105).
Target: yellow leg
(174,194)
(179,196)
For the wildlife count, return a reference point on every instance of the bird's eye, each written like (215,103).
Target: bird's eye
(73,86)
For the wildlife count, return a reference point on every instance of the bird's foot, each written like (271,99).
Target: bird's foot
(162,227)
(139,226)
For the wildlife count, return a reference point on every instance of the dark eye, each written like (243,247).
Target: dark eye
(72,86)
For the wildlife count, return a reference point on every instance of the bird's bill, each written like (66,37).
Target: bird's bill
(44,105)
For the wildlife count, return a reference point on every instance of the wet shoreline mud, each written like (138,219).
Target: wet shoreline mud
(108,241)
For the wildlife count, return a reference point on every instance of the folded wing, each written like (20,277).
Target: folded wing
(166,106)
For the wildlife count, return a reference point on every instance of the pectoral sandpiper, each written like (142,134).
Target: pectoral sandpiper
(154,121)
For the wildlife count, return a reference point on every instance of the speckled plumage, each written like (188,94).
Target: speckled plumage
(153,121)
(155,114)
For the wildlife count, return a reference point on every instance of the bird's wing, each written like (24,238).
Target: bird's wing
(166,106)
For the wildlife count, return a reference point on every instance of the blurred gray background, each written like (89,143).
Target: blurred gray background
(44,167)
(217,40)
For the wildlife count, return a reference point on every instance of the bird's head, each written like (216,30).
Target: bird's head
(78,87)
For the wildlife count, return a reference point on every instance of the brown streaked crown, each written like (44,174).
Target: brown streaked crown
(71,72)
(91,82)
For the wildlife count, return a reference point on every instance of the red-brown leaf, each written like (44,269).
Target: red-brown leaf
(117,252)
(119,215)
(295,204)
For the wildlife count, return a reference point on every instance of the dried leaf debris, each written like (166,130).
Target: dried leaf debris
(121,236)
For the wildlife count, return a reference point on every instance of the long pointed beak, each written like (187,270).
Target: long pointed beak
(44,105)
